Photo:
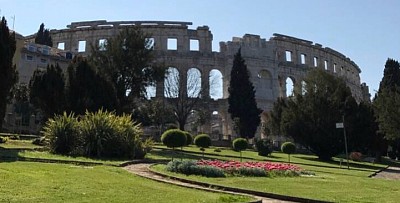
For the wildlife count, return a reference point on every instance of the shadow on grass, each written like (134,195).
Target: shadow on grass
(176,154)
(9,155)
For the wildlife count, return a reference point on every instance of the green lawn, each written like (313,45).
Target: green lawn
(42,182)
(331,183)
(19,144)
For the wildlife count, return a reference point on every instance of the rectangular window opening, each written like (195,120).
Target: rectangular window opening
(82,46)
(172,44)
(61,45)
(288,56)
(326,64)
(194,45)
(29,57)
(302,58)
(315,62)
(102,44)
(43,60)
(334,68)
(149,44)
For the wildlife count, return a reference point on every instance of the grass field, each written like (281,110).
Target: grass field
(42,182)
(331,183)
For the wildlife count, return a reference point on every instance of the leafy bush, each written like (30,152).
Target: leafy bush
(63,134)
(355,156)
(3,139)
(263,147)
(202,140)
(101,134)
(190,167)
(174,138)
(189,138)
(288,148)
(239,144)
(246,171)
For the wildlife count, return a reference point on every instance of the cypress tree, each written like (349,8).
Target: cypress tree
(8,73)
(43,36)
(242,103)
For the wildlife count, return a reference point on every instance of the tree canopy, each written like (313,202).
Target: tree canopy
(9,75)
(242,104)
(43,36)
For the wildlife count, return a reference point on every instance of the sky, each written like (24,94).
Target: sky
(366,31)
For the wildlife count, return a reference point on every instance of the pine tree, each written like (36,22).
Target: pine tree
(43,36)
(8,73)
(242,103)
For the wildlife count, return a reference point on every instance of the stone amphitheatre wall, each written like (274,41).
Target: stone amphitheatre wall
(270,62)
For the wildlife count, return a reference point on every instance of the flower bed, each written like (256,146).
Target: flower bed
(216,168)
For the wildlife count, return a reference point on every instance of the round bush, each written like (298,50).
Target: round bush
(288,148)
(263,147)
(174,138)
(189,138)
(202,140)
(239,144)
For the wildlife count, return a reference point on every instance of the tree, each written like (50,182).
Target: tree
(387,101)
(239,144)
(43,36)
(202,141)
(242,103)
(127,61)
(46,90)
(8,76)
(310,118)
(21,104)
(87,90)
(183,97)
(174,138)
(288,148)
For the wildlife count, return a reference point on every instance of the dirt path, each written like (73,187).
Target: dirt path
(391,173)
(142,169)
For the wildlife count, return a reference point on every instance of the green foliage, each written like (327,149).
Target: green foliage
(288,148)
(43,36)
(263,147)
(174,138)
(3,139)
(247,171)
(189,167)
(47,90)
(62,131)
(239,144)
(9,75)
(242,104)
(189,138)
(126,61)
(202,140)
(87,90)
(41,141)
(310,118)
(100,134)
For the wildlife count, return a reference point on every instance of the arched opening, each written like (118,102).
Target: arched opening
(289,87)
(303,87)
(216,126)
(150,88)
(171,83)
(216,84)
(193,83)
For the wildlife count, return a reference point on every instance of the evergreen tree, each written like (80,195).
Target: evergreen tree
(43,36)
(126,60)
(8,73)
(242,103)
(387,101)
(47,90)
(87,90)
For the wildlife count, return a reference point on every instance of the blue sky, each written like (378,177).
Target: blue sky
(366,31)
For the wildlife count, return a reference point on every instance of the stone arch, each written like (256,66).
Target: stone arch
(290,86)
(172,83)
(303,87)
(265,78)
(193,83)
(216,84)
(151,86)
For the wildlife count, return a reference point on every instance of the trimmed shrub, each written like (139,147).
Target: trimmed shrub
(3,139)
(189,138)
(202,140)
(174,138)
(63,134)
(288,148)
(239,144)
(189,167)
(263,147)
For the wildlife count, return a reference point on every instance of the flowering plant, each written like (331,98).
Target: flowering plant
(268,166)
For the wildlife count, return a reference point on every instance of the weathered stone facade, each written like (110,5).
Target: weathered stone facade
(270,62)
